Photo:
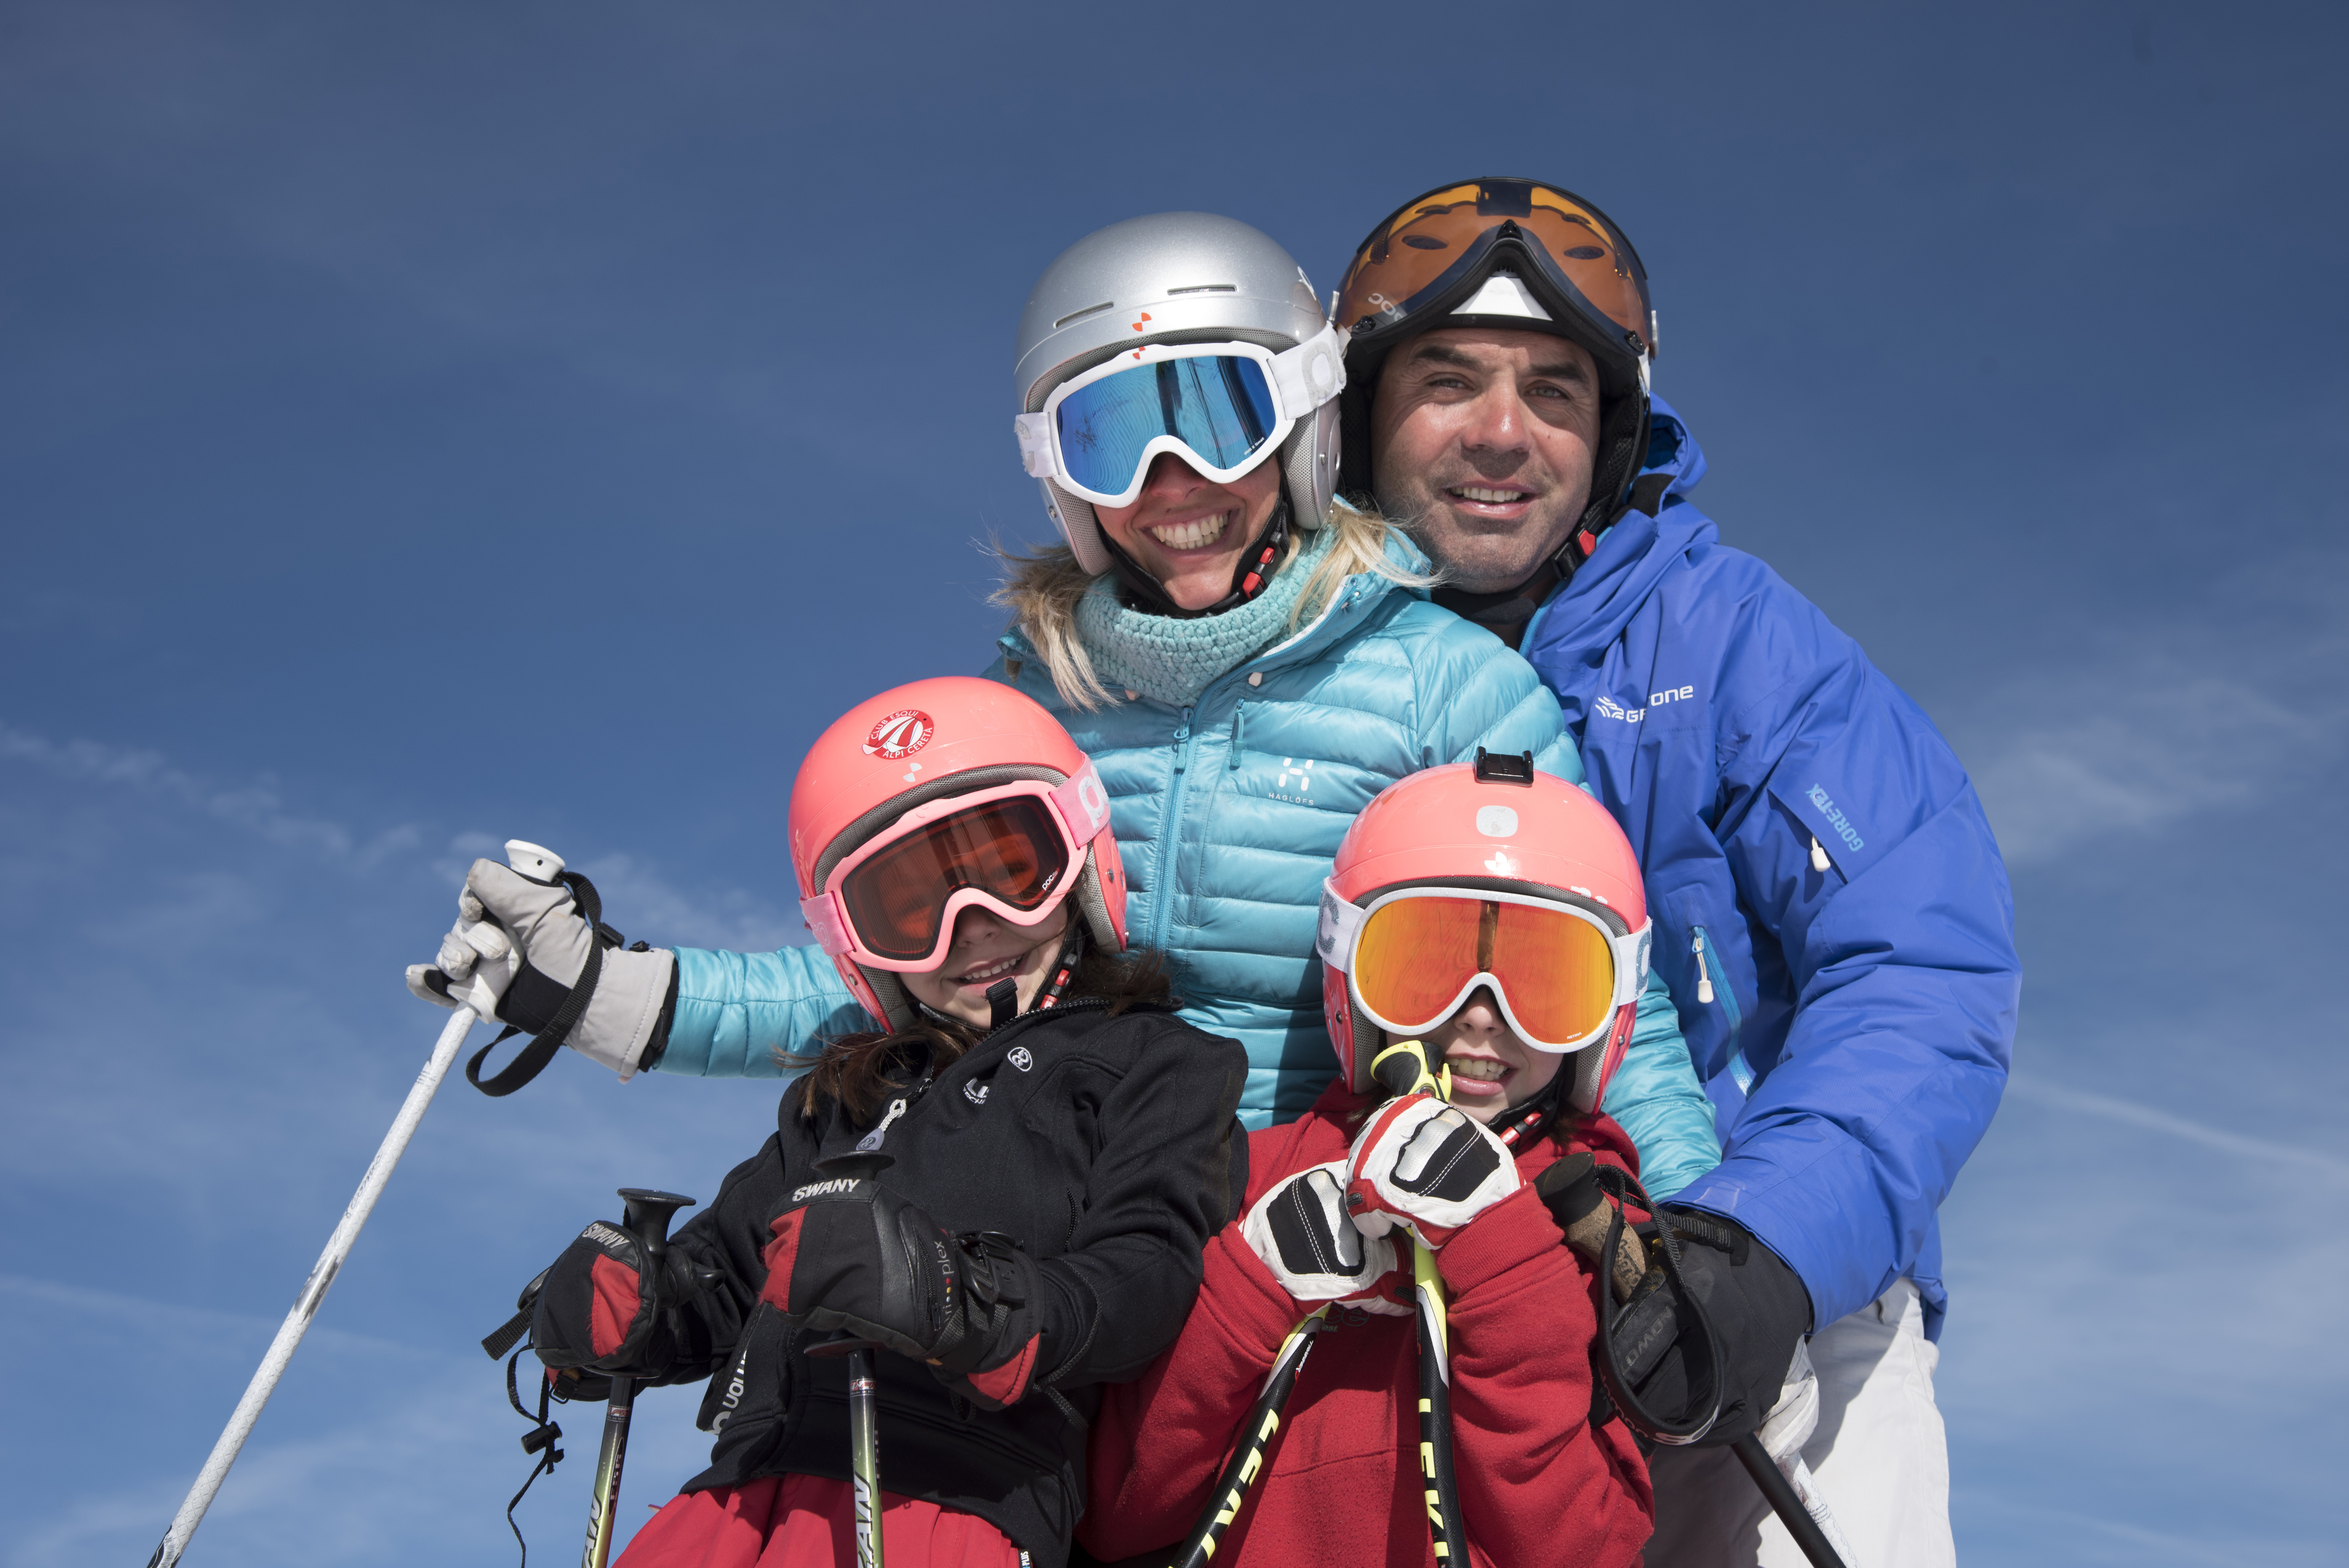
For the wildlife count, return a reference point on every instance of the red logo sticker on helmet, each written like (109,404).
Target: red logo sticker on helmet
(901,734)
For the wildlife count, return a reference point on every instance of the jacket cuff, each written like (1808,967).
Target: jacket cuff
(1239,1295)
(1516,1230)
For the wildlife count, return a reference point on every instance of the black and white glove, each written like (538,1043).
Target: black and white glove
(849,1254)
(522,947)
(1302,1232)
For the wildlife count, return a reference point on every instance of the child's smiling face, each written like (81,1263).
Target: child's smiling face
(1492,1068)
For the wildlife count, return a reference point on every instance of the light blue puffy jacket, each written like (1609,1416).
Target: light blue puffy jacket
(1227,814)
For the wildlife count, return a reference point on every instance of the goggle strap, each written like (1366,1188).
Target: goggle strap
(822,915)
(1311,374)
(1035,436)
(1083,806)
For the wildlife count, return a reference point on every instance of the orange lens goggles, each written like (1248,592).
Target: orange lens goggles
(1427,245)
(1556,969)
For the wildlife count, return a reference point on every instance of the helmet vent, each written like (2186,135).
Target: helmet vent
(1080,314)
(1204,288)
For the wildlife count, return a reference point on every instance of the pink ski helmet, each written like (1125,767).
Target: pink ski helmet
(1485,874)
(930,798)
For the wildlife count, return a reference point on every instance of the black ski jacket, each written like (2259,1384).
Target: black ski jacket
(1108,1147)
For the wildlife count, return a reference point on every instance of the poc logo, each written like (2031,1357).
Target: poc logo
(1021,1058)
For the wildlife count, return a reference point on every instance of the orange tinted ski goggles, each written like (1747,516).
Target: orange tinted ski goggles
(1435,245)
(1412,957)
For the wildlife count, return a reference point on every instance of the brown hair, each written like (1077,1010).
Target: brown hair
(861,1070)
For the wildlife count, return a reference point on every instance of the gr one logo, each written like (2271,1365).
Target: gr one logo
(1607,707)
(900,735)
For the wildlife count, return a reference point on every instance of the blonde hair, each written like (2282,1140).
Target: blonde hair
(1041,591)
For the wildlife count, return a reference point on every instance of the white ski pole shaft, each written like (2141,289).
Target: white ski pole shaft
(313,1291)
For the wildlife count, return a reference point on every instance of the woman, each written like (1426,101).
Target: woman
(1057,1148)
(1248,662)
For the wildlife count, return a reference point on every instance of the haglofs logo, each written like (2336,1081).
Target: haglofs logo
(900,735)
(1021,1058)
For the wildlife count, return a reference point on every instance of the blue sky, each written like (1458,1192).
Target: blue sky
(426,425)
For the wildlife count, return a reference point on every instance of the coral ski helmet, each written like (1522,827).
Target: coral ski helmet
(1485,873)
(938,796)
(1182,333)
(1515,253)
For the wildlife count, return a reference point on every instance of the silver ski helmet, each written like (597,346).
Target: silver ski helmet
(1516,253)
(1158,292)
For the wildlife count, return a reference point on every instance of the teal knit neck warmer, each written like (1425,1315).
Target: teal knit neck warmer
(1171,660)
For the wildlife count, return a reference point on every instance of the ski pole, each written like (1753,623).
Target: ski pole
(863,1441)
(647,1215)
(863,1390)
(1256,1438)
(1402,1069)
(313,1291)
(1787,1502)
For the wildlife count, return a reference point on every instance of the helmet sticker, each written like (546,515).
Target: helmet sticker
(900,735)
(1497,821)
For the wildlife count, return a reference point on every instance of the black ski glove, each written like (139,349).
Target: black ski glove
(1759,1310)
(849,1254)
(600,1311)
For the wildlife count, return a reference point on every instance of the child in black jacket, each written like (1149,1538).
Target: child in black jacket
(1059,1148)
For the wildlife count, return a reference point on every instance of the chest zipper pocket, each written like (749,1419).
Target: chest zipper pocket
(1712,984)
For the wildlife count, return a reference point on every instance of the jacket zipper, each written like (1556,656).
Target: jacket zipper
(871,1141)
(1708,964)
(1162,907)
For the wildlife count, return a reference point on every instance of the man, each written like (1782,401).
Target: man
(1831,911)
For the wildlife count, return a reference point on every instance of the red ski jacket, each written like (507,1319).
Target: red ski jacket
(1539,1485)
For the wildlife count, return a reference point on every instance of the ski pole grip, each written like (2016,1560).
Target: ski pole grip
(1402,1069)
(648,1214)
(536,862)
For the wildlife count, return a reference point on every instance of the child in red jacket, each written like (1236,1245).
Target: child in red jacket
(1496,916)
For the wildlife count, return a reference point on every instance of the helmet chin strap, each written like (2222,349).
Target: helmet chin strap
(1003,997)
(1250,577)
(1521,1122)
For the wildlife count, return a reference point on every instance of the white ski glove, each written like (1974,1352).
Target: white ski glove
(518,951)
(1426,1167)
(1302,1232)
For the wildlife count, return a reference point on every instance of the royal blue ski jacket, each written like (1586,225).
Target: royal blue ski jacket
(1852,1025)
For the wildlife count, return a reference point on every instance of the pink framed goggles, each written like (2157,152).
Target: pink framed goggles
(1014,850)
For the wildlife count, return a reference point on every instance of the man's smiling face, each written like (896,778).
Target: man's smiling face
(1482,445)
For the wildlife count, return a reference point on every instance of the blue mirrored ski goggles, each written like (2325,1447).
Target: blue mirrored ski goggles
(1222,407)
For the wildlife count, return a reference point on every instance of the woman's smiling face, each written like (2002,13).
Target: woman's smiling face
(1492,1068)
(1188,531)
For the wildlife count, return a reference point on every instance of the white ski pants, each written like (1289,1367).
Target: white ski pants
(1879,1456)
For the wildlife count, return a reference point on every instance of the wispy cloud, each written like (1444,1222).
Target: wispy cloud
(2128,1112)
(256,806)
(2146,730)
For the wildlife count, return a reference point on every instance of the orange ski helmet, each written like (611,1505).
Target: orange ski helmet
(1485,874)
(930,798)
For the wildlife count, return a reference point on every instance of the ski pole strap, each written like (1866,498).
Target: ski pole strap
(531,1059)
(540,1439)
(1635,1334)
